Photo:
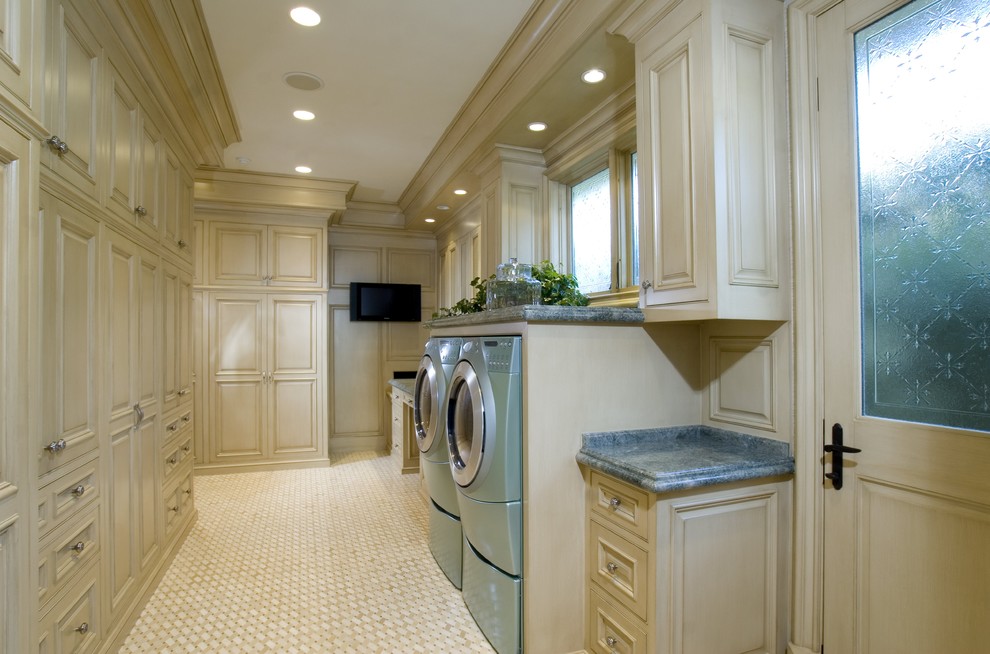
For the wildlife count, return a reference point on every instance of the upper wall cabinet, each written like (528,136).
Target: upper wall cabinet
(247,254)
(177,207)
(712,150)
(72,98)
(20,58)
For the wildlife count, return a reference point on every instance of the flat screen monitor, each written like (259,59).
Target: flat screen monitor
(393,302)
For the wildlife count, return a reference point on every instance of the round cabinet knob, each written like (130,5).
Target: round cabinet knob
(79,490)
(172,459)
(186,448)
(611,641)
(83,628)
(78,547)
(57,145)
(647,284)
(611,567)
(186,418)
(181,243)
(173,427)
(56,446)
(140,211)
(615,502)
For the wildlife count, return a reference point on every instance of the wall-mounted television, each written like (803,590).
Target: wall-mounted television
(393,302)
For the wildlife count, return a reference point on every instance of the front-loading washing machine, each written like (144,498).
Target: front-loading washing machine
(432,377)
(484,441)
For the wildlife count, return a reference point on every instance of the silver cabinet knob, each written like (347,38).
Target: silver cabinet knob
(182,392)
(140,211)
(611,642)
(173,509)
(186,448)
(186,418)
(615,502)
(173,427)
(138,413)
(647,284)
(56,446)
(182,244)
(78,547)
(57,145)
(78,490)
(83,628)
(172,459)
(611,567)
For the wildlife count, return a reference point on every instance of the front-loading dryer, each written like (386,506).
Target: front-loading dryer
(432,377)
(484,442)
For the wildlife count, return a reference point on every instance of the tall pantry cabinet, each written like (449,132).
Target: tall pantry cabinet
(96,288)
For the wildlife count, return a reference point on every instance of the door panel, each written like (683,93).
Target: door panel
(294,416)
(239,420)
(294,335)
(906,536)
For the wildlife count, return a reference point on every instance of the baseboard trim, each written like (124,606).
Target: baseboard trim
(346,444)
(797,649)
(226,469)
(114,640)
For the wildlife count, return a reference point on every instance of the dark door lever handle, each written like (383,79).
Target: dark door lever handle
(837,449)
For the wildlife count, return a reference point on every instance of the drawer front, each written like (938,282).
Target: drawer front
(68,496)
(73,626)
(175,456)
(178,503)
(619,568)
(178,425)
(620,504)
(68,551)
(611,631)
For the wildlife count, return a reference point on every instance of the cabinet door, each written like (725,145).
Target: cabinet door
(20,40)
(150,179)
(237,254)
(124,144)
(170,337)
(295,256)
(69,340)
(296,344)
(675,245)
(184,353)
(237,333)
(176,207)
(72,92)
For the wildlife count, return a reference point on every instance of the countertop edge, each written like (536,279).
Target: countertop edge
(540,313)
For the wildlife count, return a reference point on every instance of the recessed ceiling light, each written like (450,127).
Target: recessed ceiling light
(429,220)
(303,169)
(460,191)
(593,76)
(305,16)
(302,114)
(537,127)
(443,207)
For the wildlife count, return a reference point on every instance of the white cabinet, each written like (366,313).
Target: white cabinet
(72,97)
(691,571)
(266,378)
(177,202)
(177,336)
(712,149)
(248,254)
(20,52)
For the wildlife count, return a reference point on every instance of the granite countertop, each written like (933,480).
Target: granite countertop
(679,458)
(543,313)
(405,385)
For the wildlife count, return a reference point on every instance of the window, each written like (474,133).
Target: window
(604,229)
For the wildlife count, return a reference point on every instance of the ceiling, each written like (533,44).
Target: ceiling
(394,74)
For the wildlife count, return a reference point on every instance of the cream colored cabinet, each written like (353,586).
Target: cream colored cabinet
(135,175)
(131,279)
(177,338)
(713,158)
(248,254)
(267,368)
(703,570)
(73,101)
(403,447)
(20,52)
(177,200)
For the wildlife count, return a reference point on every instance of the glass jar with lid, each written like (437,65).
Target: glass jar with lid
(513,285)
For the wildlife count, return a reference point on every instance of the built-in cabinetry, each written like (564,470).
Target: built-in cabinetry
(402,440)
(702,570)
(263,327)
(713,159)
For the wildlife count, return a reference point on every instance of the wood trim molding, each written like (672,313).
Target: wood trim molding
(215,188)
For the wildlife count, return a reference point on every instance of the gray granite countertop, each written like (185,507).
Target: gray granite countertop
(405,385)
(542,313)
(679,458)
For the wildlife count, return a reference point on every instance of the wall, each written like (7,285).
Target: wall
(365,355)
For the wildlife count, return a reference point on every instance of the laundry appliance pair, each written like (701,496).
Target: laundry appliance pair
(481,425)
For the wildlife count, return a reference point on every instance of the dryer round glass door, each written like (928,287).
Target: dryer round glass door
(426,404)
(466,426)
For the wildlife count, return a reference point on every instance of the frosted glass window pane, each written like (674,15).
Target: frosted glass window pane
(634,219)
(591,227)
(924,173)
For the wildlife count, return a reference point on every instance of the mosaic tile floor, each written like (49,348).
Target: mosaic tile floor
(327,560)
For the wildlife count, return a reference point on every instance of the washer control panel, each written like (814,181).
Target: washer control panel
(503,354)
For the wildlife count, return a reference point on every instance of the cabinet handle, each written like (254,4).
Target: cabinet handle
(57,145)
(647,284)
(56,446)
(185,418)
(615,503)
(83,628)
(140,211)
(182,244)
(611,641)
(78,491)
(186,448)
(138,414)
(611,567)
(173,509)
(182,392)
(173,427)
(78,547)
(172,459)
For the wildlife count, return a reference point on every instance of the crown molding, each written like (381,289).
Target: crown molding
(273,193)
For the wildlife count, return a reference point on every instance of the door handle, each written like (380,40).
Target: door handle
(837,449)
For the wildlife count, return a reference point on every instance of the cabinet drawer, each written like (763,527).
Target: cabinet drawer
(175,456)
(74,625)
(620,504)
(619,568)
(611,631)
(65,553)
(68,496)
(178,503)
(178,425)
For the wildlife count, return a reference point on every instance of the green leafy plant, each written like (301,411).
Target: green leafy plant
(557,288)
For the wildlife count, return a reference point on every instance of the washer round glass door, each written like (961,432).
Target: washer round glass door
(466,430)
(426,404)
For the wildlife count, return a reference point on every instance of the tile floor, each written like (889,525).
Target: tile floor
(325,560)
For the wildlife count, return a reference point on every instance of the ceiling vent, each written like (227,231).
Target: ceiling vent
(303,81)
